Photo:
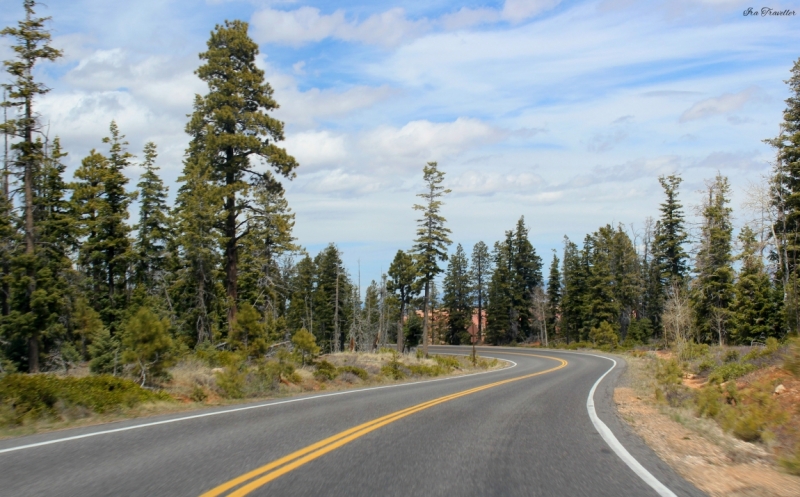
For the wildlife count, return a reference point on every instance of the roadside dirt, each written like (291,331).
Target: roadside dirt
(724,467)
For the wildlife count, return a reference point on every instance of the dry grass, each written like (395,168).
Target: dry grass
(698,448)
(193,385)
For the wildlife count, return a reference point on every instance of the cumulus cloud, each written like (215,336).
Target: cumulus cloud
(715,106)
(338,182)
(306,108)
(485,183)
(429,141)
(316,149)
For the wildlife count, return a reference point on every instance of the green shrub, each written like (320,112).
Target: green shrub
(447,363)
(419,353)
(360,372)
(729,371)
(730,356)
(707,364)
(198,394)
(604,335)
(668,372)
(306,344)
(146,344)
(708,401)
(325,371)
(791,360)
(36,396)
(393,370)
(484,364)
(791,462)
(754,414)
(425,370)
(232,380)
(695,351)
(579,345)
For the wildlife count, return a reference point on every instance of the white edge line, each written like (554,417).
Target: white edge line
(246,408)
(615,444)
(609,437)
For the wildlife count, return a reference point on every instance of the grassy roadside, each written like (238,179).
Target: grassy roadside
(46,402)
(726,418)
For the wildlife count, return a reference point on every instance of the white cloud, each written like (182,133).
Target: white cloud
(315,149)
(490,182)
(307,24)
(466,17)
(715,106)
(423,140)
(306,108)
(388,28)
(521,10)
(338,182)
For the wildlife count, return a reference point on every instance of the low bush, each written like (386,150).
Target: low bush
(791,462)
(730,371)
(32,397)
(425,369)
(360,372)
(708,401)
(791,360)
(447,362)
(707,364)
(325,371)
(730,356)
(752,413)
(393,369)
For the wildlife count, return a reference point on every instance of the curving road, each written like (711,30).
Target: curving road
(524,430)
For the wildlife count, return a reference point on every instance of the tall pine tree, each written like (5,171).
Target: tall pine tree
(430,246)
(231,127)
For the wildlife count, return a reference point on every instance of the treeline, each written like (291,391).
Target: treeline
(81,280)
(667,283)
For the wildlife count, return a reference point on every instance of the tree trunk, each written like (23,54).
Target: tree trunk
(425,320)
(33,340)
(231,252)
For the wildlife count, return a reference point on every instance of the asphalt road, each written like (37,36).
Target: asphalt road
(531,436)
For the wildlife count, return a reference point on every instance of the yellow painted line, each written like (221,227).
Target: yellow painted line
(296,459)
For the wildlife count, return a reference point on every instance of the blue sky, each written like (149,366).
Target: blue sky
(564,112)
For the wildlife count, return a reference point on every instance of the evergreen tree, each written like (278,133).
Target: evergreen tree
(230,125)
(671,234)
(554,298)
(152,231)
(330,299)
(402,279)
(270,238)
(457,298)
(754,310)
(32,46)
(669,264)
(430,246)
(301,302)
(101,205)
(500,303)
(712,289)
(573,315)
(481,274)
(194,256)
(527,276)
(785,189)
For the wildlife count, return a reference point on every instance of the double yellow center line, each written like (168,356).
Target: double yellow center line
(265,474)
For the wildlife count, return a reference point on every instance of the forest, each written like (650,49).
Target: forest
(219,268)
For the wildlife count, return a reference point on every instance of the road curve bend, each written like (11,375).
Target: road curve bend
(524,430)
